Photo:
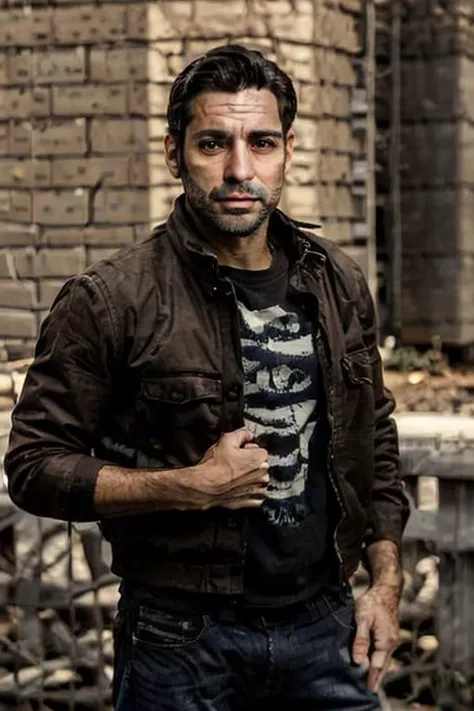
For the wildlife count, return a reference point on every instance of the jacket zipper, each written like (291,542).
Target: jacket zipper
(238,348)
(319,347)
(236,339)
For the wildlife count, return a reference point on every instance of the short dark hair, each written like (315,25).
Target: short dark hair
(230,68)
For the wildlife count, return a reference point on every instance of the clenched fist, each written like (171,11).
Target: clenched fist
(232,474)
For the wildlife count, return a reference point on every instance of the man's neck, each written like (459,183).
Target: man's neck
(243,252)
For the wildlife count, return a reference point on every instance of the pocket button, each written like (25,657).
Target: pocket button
(233,392)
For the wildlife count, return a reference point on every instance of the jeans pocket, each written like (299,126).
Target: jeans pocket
(160,629)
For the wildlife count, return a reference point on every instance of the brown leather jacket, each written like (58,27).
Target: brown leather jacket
(139,364)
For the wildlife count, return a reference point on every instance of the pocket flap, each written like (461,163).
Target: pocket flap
(357,367)
(181,389)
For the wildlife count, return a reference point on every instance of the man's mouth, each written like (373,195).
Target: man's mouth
(238,200)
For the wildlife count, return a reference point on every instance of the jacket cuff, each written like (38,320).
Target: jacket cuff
(80,497)
(385,526)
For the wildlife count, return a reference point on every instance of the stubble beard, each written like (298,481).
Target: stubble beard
(236,222)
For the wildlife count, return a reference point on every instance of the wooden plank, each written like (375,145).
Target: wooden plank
(455,613)
(457,466)
(422,426)
(422,526)
(464,516)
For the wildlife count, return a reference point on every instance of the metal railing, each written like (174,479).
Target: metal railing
(57,604)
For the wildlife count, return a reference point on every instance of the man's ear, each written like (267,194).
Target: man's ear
(172,156)
(289,149)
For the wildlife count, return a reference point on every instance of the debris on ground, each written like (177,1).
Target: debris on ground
(418,391)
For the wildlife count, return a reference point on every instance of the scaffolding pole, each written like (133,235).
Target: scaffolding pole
(370,148)
(394,176)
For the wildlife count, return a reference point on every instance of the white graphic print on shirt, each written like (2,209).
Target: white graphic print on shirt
(280,399)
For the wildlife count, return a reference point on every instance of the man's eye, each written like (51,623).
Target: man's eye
(209,145)
(264,143)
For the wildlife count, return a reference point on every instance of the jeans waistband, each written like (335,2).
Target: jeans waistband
(133,595)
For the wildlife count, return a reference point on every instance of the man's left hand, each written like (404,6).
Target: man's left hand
(378,629)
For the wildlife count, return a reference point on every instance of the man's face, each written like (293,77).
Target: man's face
(234,160)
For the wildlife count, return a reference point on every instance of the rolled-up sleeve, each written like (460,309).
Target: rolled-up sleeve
(64,406)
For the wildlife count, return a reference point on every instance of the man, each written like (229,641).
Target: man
(214,397)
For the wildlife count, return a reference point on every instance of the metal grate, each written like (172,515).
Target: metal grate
(57,604)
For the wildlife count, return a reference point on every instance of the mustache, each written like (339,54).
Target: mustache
(245,188)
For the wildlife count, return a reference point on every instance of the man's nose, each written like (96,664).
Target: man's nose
(239,167)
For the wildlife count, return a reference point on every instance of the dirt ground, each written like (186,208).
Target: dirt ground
(418,391)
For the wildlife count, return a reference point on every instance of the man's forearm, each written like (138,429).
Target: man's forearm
(385,565)
(232,474)
(126,492)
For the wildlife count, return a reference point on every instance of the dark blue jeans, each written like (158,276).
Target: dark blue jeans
(170,661)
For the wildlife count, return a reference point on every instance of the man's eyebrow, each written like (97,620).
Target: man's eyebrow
(223,135)
(213,133)
(265,133)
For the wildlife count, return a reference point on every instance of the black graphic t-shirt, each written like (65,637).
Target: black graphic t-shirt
(288,541)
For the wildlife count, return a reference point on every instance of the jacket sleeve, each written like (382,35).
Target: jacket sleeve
(389,503)
(62,409)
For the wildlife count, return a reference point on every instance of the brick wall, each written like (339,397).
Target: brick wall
(83,93)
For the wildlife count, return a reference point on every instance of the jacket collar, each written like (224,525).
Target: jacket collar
(184,233)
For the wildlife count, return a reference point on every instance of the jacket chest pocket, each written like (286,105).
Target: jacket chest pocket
(182,402)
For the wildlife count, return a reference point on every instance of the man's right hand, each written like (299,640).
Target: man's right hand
(232,474)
